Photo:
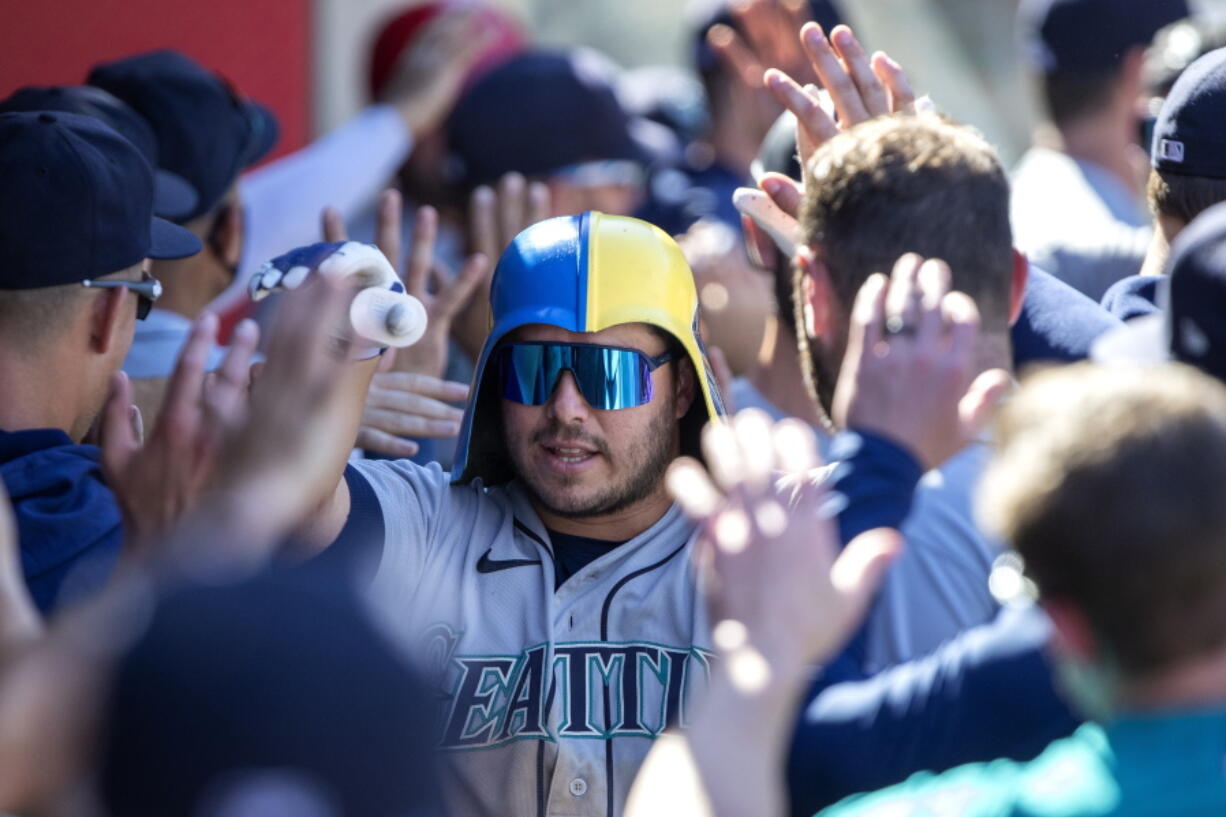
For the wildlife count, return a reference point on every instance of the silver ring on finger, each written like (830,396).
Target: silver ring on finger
(896,326)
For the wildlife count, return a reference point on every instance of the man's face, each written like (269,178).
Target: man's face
(581,462)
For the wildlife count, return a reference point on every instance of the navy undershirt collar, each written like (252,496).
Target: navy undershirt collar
(573,553)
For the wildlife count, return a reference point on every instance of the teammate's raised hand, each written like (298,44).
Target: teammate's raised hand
(736,298)
(157,477)
(766,38)
(409,404)
(779,590)
(858,88)
(433,70)
(909,371)
(445,295)
(495,216)
(406,396)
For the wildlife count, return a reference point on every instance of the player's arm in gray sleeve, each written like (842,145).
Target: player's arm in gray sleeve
(403,504)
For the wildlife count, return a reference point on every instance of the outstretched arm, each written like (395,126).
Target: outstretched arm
(783,597)
(987,694)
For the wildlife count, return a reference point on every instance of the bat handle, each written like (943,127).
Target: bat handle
(387,318)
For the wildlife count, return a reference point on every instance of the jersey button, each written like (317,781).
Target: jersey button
(578,787)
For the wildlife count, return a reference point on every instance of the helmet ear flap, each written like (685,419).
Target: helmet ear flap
(487,450)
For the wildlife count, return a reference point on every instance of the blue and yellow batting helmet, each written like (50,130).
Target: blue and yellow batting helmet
(584,273)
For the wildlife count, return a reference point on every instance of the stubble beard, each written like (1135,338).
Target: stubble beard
(645,463)
(822,374)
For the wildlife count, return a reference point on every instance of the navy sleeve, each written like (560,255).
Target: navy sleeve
(875,478)
(1134,297)
(359,546)
(1057,323)
(987,694)
(873,484)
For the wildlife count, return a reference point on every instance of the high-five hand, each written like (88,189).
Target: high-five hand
(404,398)
(909,371)
(780,591)
(157,478)
(495,216)
(858,88)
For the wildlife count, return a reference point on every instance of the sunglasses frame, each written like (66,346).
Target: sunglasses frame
(147,290)
(652,363)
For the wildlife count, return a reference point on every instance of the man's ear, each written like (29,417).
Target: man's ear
(108,319)
(686,386)
(816,293)
(225,238)
(1072,635)
(1017,287)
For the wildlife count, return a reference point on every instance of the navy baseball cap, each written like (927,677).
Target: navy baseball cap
(538,113)
(76,203)
(206,132)
(1190,134)
(277,695)
(172,195)
(1192,325)
(1086,36)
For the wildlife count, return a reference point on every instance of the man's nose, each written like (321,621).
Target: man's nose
(567,403)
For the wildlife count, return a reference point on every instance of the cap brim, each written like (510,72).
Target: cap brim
(173,197)
(264,132)
(1140,341)
(168,240)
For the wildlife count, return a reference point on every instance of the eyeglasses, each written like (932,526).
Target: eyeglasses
(608,377)
(148,289)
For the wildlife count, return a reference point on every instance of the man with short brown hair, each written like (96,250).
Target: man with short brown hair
(876,191)
(905,184)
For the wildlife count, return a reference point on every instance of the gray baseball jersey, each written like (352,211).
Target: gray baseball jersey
(551,698)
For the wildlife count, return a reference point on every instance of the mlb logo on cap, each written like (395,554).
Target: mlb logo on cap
(1170,150)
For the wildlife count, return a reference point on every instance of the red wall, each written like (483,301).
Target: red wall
(262,46)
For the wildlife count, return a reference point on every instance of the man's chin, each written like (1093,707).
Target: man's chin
(572,501)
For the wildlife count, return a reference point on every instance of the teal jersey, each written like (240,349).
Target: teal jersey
(1171,765)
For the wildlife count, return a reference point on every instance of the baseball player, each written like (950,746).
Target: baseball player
(547,578)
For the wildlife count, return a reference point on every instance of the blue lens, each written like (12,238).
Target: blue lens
(608,377)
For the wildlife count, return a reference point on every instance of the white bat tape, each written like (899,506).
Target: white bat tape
(387,318)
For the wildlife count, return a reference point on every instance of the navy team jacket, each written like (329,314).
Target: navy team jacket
(986,694)
(68,521)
